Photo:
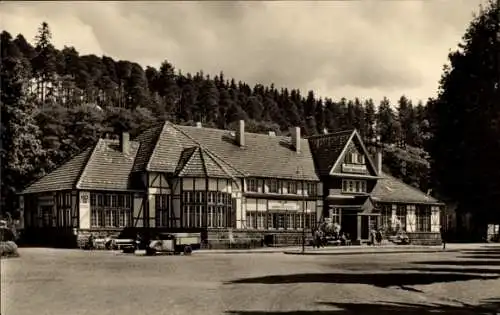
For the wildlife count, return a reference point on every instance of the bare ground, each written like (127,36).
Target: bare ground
(51,281)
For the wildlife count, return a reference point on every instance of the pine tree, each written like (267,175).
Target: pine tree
(22,153)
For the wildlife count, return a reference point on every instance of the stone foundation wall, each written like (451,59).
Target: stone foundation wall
(224,238)
(424,238)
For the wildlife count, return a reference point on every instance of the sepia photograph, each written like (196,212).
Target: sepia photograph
(250,157)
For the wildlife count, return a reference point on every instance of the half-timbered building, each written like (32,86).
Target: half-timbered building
(233,186)
(360,197)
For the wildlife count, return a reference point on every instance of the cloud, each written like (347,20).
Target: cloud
(338,49)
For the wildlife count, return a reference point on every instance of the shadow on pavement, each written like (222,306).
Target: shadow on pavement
(377,279)
(459,263)
(458,269)
(491,306)
(484,256)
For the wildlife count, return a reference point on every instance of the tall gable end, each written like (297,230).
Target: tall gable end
(354,159)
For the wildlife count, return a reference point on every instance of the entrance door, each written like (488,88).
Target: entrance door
(365,227)
(368,223)
(350,225)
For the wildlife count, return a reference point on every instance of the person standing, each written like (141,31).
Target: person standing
(443,237)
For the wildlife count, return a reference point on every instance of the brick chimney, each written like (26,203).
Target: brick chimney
(378,160)
(125,142)
(240,134)
(295,132)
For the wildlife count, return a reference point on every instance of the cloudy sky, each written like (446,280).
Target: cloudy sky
(338,49)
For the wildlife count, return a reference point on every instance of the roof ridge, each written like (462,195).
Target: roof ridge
(202,146)
(335,133)
(83,172)
(229,130)
(203,162)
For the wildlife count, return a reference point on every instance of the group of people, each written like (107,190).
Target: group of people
(321,238)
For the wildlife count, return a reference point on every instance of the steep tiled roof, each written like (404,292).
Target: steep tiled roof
(391,189)
(325,156)
(63,177)
(262,155)
(147,141)
(108,168)
(200,162)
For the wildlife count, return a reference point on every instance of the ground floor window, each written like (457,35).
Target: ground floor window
(64,217)
(46,216)
(211,209)
(279,220)
(401,218)
(196,216)
(110,210)
(334,214)
(110,217)
(423,216)
(386,217)
(163,213)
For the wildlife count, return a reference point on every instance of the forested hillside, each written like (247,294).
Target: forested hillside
(56,102)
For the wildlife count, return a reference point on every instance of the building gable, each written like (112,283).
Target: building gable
(354,159)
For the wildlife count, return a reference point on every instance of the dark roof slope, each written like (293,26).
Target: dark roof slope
(108,168)
(326,149)
(262,155)
(147,141)
(391,189)
(199,162)
(62,178)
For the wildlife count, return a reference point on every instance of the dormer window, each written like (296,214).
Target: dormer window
(361,159)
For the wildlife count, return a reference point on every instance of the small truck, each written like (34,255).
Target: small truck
(167,244)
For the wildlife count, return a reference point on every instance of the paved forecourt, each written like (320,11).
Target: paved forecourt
(464,280)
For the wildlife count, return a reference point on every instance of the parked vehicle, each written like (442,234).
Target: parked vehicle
(166,243)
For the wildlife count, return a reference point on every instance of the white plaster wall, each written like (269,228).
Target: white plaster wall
(411,219)
(138,211)
(435,219)
(152,210)
(84,207)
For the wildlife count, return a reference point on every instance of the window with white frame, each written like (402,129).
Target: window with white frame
(401,217)
(312,189)
(354,186)
(256,220)
(211,209)
(292,187)
(252,185)
(273,186)
(110,210)
(386,217)
(423,216)
(163,213)
(335,215)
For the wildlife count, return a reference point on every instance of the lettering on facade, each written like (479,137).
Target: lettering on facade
(282,205)
(354,168)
